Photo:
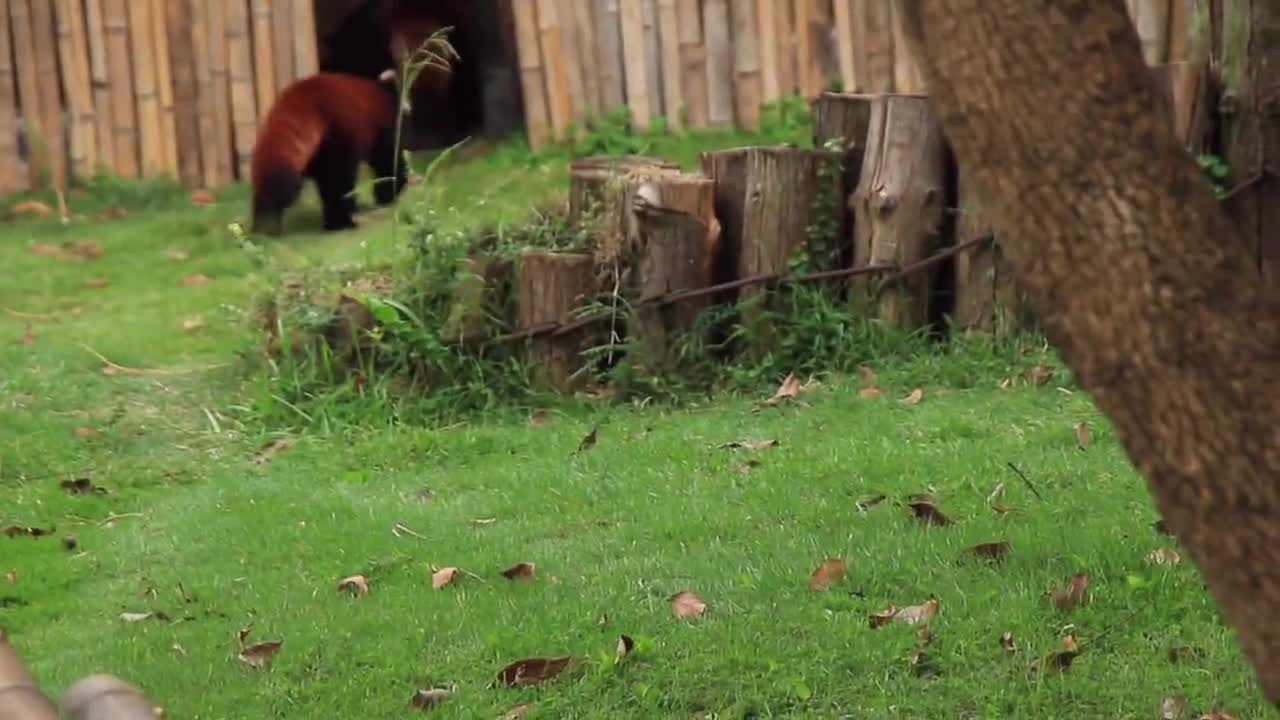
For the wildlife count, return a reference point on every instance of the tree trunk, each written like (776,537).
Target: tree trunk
(1133,269)
(988,298)
(1251,106)
(551,287)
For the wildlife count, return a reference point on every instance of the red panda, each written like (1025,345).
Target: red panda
(323,127)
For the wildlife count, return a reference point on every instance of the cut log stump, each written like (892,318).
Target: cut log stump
(727,170)
(988,299)
(550,287)
(673,256)
(482,281)
(841,122)
(589,178)
(899,205)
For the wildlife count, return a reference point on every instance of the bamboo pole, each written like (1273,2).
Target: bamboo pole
(206,124)
(609,33)
(220,91)
(55,139)
(845,44)
(100,81)
(653,58)
(746,65)
(186,94)
(673,92)
(533,86)
(575,85)
(873,32)
(634,64)
(907,77)
(144,85)
(164,86)
(555,74)
(584,21)
(282,42)
(305,53)
(715,28)
(124,124)
(693,62)
(805,76)
(244,109)
(767,20)
(1151,18)
(12,179)
(784,38)
(24,54)
(73,55)
(264,81)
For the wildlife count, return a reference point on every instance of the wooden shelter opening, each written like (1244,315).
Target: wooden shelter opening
(482,94)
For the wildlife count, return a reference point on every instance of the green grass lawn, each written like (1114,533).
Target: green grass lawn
(192,529)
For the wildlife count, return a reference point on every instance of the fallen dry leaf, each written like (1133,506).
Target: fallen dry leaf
(258,654)
(177,255)
(866,503)
(748,467)
(1074,594)
(97,283)
(70,543)
(828,574)
(30,208)
(687,605)
(1083,439)
(86,433)
(1059,661)
(517,711)
(625,646)
(113,213)
(193,323)
(1178,653)
(356,583)
(81,486)
(1000,509)
(914,398)
(540,418)
(1173,708)
(45,250)
(443,577)
(195,280)
(272,449)
(202,198)
(1164,556)
(928,513)
(993,551)
(911,615)
(532,671)
(870,393)
(429,699)
(87,249)
(28,338)
(1007,643)
(750,445)
(1040,374)
(11,577)
(790,389)
(1218,714)
(519,571)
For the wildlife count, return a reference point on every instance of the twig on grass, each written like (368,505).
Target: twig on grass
(118,369)
(1026,480)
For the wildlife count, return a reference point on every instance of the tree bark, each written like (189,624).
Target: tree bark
(1134,270)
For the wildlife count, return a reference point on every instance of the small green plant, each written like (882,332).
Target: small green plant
(1215,168)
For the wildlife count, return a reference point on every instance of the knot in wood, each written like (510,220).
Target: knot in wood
(884,203)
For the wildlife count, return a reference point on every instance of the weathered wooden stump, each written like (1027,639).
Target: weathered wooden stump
(550,287)
(899,205)
(988,298)
(590,178)
(844,119)
(690,193)
(673,255)
(1184,91)
(727,170)
(481,280)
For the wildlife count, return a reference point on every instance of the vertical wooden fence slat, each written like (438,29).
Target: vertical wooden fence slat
(1151,19)
(12,179)
(186,95)
(693,61)
(244,108)
(263,56)
(715,32)
(571,44)
(144,85)
(874,30)
(55,139)
(672,90)
(282,41)
(220,90)
(609,33)
(746,65)
(73,57)
(100,80)
(207,127)
(805,80)
(906,73)
(164,86)
(845,44)
(653,59)
(1181,13)
(305,53)
(24,53)
(533,87)
(555,74)
(124,124)
(584,22)
(634,64)
(766,28)
(784,38)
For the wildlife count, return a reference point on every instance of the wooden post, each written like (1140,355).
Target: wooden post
(672,88)
(220,87)
(244,111)
(873,34)
(73,54)
(652,58)
(186,110)
(115,21)
(899,205)
(613,92)
(550,287)
(12,179)
(572,46)
(210,164)
(673,256)
(584,28)
(555,70)
(786,48)
(142,48)
(537,115)
(746,65)
(907,77)
(100,78)
(844,118)
(635,66)
(1251,96)
(668,188)
(693,62)
(715,28)
(766,28)
(24,54)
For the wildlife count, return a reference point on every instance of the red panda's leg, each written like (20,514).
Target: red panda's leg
(275,192)
(382,159)
(334,168)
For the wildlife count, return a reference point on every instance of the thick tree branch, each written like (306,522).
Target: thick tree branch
(1139,278)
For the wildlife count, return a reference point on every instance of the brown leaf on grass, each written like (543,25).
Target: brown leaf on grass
(1007,643)
(443,577)
(193,323)
(748,467)
(271,449)
(517,712)
(11,577)
(1164,556)
(928,513)
(993,551)
(195,280)
(625,646)
(70,543)
(827,574)
(202,198)
(87,249)
(687,605)
(81,486)
(1173,707)
(96,283)
(1217,714)
(112,213)
(358,584)
(519,571)
(914,398)
(430,699)
(1083,438)
(1179,653)
(257,655)
(46,250)
(540,418)
(870,393)
(788,390)
(1000,509)
(86,433)
(910,615)
(30,208)
(866,503)
(1059,661)
(1040,374)
(532,671)
(1074,594)
(177,255)
(16,530)
(28,338)
(750,445)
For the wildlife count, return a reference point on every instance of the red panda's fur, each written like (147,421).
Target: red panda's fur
(322,127)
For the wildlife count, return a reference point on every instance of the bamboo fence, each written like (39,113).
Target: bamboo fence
(143,88)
